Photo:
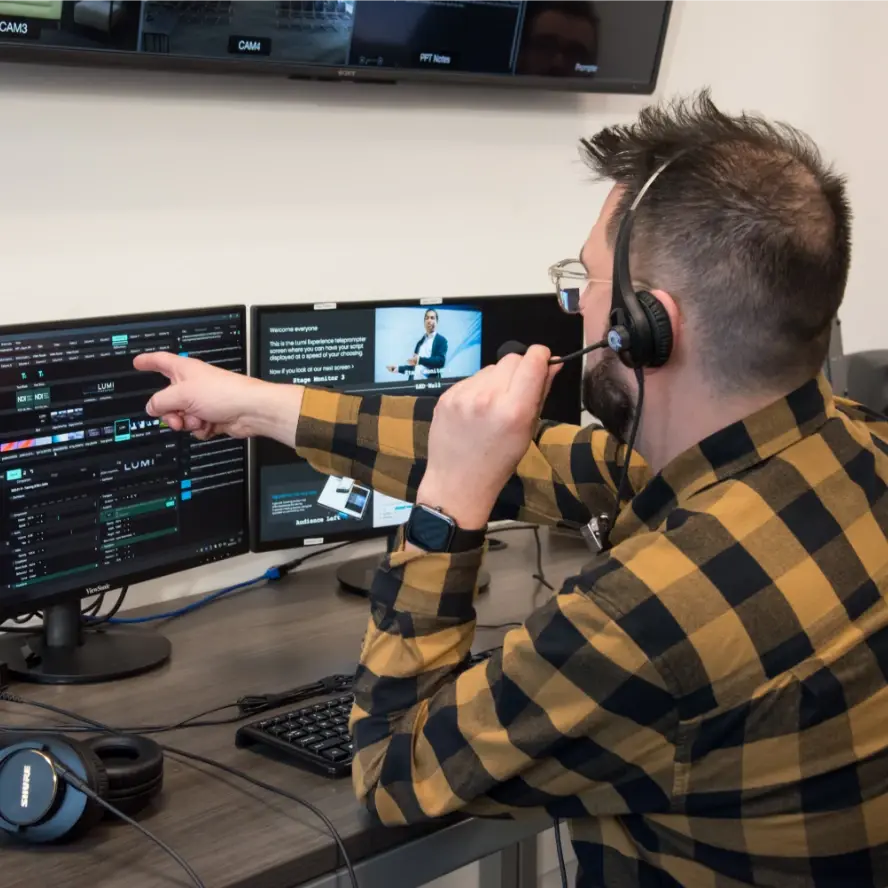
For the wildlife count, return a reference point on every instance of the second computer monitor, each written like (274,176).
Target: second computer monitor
(410,348)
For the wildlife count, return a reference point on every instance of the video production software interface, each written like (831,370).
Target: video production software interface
(610,40)
(411,349)
(92,488)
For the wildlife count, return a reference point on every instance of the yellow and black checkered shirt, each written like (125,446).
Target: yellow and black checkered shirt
(707,703)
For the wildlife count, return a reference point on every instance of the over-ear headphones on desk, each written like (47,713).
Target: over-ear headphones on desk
(38,806)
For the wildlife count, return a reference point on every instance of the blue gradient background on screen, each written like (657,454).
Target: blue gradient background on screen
(399,329)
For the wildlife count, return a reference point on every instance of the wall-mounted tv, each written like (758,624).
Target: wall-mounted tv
(611,46)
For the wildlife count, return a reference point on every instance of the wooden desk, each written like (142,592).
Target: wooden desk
(235,836)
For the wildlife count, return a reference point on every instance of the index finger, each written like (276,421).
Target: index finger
(158,362)
(531,375)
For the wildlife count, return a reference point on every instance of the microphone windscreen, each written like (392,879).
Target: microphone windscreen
(512,347)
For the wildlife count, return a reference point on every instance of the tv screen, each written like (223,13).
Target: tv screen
(606,46)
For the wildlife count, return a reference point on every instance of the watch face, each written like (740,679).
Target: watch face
(430,530)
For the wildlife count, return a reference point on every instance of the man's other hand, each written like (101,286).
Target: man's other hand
(481,429)
(207,400)
(392,368)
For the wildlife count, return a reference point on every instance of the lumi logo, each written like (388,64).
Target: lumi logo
(26,786)
(105,387)
(138,464)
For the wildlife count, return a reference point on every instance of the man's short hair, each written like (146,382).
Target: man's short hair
(748,230)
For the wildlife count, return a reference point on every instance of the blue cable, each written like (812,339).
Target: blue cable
(273,573)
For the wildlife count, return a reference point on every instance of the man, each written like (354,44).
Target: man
(559,39)
(706,702)
(429,354)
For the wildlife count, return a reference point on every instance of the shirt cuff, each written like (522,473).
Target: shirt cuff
(433,584)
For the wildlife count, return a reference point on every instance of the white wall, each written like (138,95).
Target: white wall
(128,192)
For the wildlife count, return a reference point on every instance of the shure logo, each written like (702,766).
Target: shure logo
(26,786)
(13,27)
(102,587)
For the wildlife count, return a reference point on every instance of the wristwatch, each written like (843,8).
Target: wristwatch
(433,531)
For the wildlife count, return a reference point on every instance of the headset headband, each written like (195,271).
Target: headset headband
(625,309)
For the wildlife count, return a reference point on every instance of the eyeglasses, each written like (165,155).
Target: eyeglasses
(571,279)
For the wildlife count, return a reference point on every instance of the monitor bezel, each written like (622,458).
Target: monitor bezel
(256,312)
(144,61)
(16,602)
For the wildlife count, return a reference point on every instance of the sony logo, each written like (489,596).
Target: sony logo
(13,28)
(26,786)
(344,72)
(94,590)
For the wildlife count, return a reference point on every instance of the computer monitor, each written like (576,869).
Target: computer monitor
(96,495)
(365,348)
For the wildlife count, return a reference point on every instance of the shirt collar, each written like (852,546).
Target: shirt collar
(729,452)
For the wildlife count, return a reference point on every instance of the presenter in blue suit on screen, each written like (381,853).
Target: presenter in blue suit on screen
(430,353)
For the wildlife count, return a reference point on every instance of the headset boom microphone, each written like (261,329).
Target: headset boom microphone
(512,347)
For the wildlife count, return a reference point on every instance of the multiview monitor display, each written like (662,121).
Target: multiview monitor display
(605,46)
(382,348)
(94,493)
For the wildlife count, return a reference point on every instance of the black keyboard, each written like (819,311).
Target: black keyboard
(314,735)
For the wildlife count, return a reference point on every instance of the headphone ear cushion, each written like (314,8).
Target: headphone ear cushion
(660,325)
(97,778)
(134,766)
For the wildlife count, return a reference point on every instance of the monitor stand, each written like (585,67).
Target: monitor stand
(63,651)
(356,575)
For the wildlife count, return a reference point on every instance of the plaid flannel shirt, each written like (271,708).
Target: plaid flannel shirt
(707,705)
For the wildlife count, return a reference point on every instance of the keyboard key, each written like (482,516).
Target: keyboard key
(335,754)
(309,740)
(329,743)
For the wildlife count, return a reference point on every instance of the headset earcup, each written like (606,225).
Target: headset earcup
(660,326)
(134,766)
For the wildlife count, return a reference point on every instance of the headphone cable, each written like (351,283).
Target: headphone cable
(624,471)
(106,729)
(172,750)
(75,782)
(562,867)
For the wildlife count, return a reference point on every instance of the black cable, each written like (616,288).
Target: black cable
(74,781)
(624,473)
(560,851)
(514,624)
(289,566)
(104,618)
(95,607)
(106,729)
(540,576)
(281,792)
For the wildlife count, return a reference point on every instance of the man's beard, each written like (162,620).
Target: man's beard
(607,397)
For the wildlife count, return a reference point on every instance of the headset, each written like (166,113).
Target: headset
(40,798)
(640,330)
